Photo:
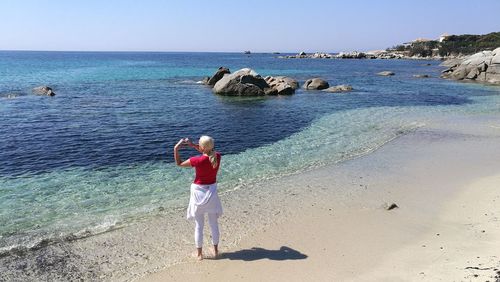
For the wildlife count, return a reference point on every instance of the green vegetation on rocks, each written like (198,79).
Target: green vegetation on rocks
(451,45)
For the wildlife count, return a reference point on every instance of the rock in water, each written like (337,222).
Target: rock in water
(421,75)
(386,73)
(282,79)
(43,90)
(316,84)
(245,82)
(281,85)
(339,88)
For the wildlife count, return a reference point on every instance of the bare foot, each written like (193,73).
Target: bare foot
(197,256)
(212,256)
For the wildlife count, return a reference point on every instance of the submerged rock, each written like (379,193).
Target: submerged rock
(339,88)
(43,90)
(386,73)
(316,84)
(9,95)
(421,75)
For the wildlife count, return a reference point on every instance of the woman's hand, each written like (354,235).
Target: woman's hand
(189,142)
(181,142)
(192,145)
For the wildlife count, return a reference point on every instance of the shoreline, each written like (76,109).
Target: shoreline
(342,231)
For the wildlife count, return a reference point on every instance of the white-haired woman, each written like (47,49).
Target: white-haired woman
(204,198)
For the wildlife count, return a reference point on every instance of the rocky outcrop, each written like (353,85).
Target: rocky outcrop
(482,67)
(339,88)
(43,90)
(246,82)
(316,84)
(386,73)
(377,54)
(351,55)
(303,55)
(391,54)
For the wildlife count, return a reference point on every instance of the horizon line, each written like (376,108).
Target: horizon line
(170,51)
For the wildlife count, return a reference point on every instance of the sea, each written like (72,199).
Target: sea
(98,155)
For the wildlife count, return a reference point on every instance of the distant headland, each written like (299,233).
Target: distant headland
(445,47)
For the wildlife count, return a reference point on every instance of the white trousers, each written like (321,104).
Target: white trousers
(199,220)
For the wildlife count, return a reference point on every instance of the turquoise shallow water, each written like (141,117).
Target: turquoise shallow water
(98,154)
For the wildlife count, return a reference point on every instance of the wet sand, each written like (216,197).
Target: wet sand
(331,223)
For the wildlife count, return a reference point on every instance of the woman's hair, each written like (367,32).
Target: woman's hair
(207,143)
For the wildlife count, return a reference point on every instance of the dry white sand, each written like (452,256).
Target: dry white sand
(331,224)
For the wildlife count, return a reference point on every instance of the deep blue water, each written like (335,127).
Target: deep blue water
(126,108)
(99,153)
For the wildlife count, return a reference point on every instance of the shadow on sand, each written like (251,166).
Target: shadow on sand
(284,253)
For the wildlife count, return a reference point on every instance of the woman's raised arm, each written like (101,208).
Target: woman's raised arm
(177,157)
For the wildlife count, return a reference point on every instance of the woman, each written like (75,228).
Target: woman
(204,198)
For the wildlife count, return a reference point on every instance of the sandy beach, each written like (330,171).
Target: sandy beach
(331,223)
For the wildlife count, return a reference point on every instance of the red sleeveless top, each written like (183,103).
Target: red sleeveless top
(205,173)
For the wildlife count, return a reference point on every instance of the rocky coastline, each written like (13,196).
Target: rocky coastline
(481,67)
(378,54)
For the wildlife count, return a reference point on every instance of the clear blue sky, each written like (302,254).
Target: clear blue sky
(217,25)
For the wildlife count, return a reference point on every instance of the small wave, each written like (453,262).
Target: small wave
(11,95)
(27,245)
